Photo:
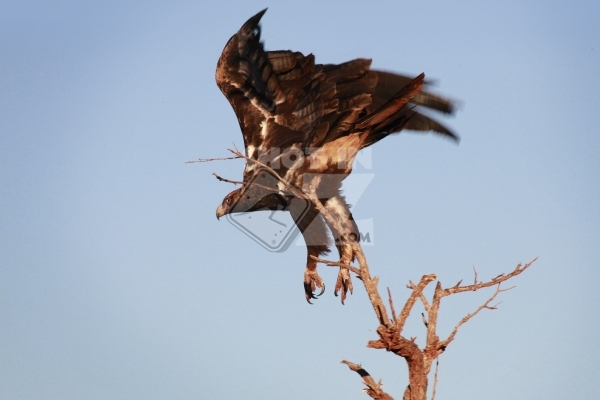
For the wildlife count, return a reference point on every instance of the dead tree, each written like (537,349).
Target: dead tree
(419,360)
(391,325)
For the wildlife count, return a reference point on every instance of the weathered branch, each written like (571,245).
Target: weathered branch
(450,338)
(391,340)
(417,291)
(370,285)
(499,279)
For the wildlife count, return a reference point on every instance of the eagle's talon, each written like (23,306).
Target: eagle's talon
(312,281)
(343,284)
(322,289)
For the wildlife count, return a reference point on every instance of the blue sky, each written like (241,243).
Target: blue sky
(117,281)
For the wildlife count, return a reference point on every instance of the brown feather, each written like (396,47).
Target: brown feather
(396,103)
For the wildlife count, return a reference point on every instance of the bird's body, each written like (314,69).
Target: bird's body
(307,122)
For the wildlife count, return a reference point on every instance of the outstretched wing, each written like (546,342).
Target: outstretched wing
(246,78)
(278,97)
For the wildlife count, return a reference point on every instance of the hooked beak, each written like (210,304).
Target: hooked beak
(220,211)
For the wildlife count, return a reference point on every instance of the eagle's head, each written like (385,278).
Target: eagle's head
(247,199)
(228,202)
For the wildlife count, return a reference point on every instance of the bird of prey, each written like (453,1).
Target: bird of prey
(307,121)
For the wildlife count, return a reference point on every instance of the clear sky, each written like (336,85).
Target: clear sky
(117,281)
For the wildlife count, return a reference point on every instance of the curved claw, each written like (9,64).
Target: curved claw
(309,293)
(343,288)
(343,284)
(312,281)
(322,290)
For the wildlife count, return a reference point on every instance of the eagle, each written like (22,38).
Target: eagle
(307,122)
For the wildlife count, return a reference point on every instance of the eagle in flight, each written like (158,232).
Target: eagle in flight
(307,121)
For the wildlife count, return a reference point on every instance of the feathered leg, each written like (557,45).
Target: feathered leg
(338,209)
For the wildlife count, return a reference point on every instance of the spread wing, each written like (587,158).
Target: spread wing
(278,97)
(245,77)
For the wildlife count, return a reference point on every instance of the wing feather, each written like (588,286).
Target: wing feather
(248,81)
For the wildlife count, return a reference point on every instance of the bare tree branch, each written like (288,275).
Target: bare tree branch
(499,279)
(295,191)
(450,338)
(425,280)
(432,337)
(370,284)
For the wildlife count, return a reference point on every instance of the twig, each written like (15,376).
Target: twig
(337,264)
(211,159)
(373,388)
(294,190)
(445,343)
(435,379)
(227,180)
(498,277)
(392,304)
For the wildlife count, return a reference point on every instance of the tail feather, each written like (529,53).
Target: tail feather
(422,123)
(394,105)
(388,84)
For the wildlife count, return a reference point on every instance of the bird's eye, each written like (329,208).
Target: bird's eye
(228,201)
